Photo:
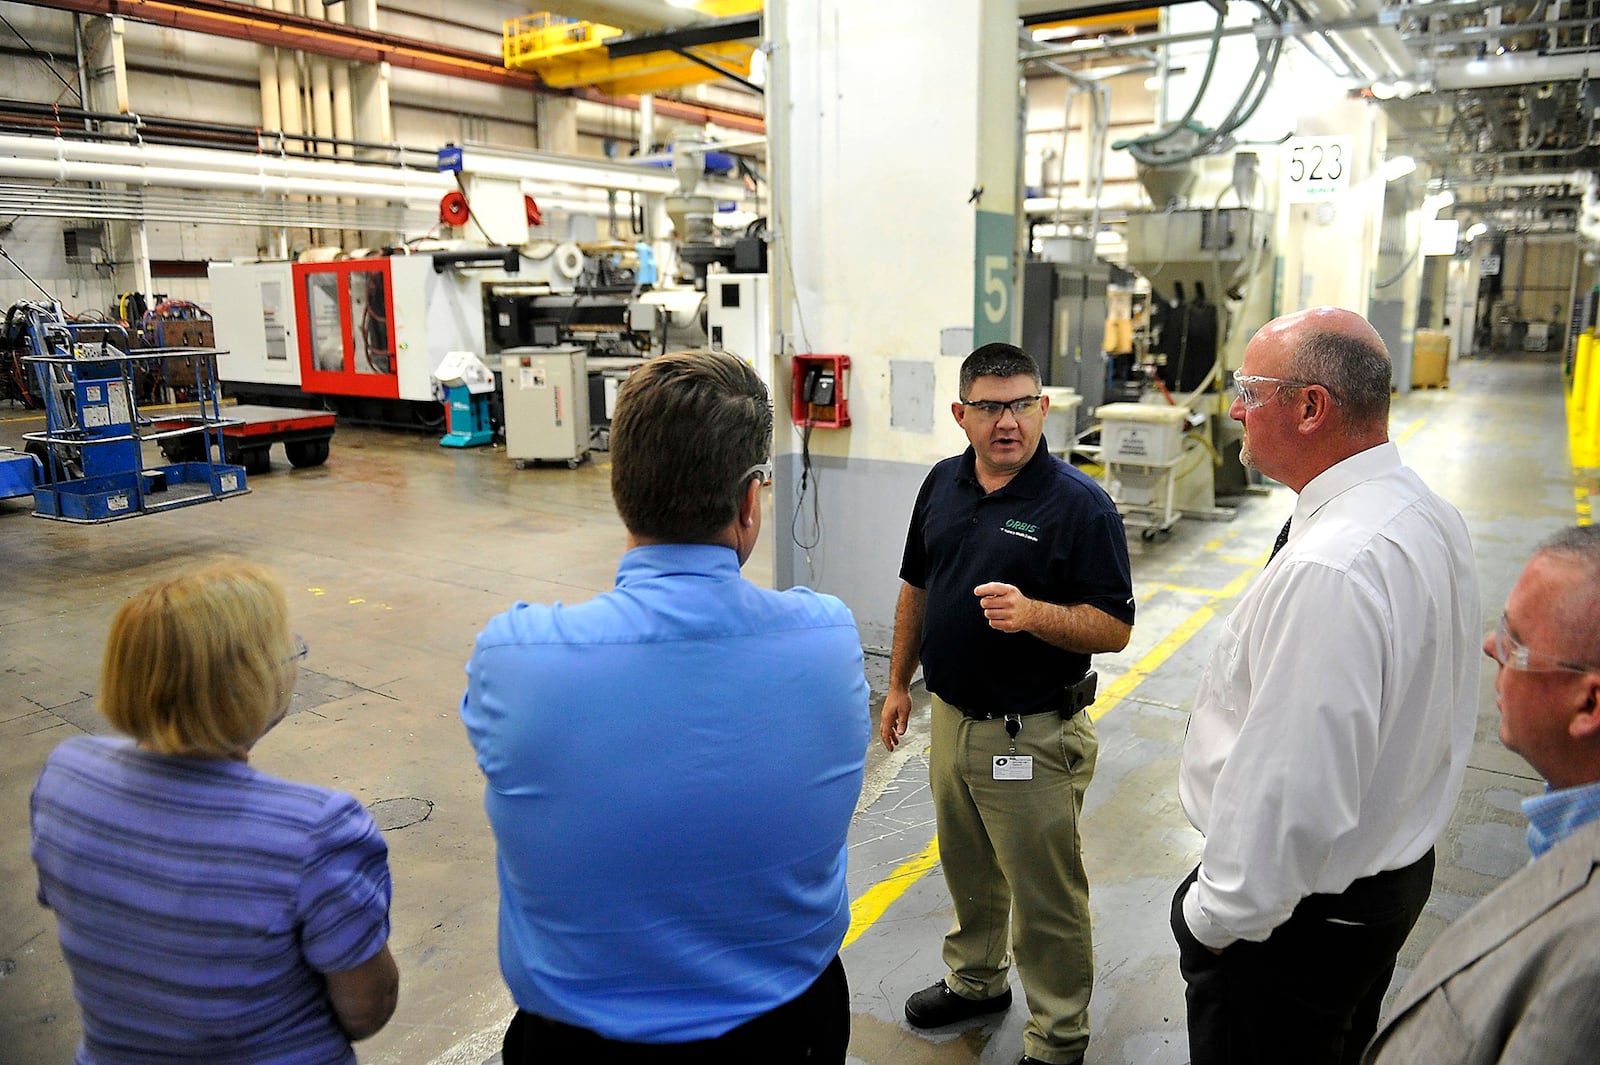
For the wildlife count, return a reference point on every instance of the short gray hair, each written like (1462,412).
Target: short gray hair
(1357,372)
(1580,546)
(1577,543)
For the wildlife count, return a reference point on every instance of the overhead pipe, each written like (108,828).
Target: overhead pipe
(1376,48)
(1380,46)
(359,42)
(1581,178)
(200,167)
(150,205)
(1386,40)
(1515,68)
(265,184)
(1369,63)
(1339,53)
(185,133)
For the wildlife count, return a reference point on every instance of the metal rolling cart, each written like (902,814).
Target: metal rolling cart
(1141,447)
(92,448)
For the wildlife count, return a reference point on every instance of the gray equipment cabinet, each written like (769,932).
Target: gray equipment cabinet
(546,394)
(1064,325)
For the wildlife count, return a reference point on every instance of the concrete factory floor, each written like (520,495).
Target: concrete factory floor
(397,551)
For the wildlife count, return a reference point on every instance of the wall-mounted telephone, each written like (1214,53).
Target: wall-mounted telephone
(818,391)
(818,387)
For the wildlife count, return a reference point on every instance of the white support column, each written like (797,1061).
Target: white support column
(558,124)
(289,105)
(271,106)
(370,83)
(884,119)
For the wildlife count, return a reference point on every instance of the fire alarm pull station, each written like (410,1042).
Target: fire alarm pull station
(819,396)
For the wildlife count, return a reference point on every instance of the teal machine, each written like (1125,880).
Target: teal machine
(464,384)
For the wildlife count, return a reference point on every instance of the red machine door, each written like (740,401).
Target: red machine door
(346,314)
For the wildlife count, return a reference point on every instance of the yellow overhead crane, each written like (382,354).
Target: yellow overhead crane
(567,53)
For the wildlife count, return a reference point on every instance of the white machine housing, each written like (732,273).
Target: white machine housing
(738,319)
(253,309)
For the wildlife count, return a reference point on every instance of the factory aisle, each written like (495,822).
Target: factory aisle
(397,551)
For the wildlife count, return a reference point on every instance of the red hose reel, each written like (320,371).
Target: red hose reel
(453,209)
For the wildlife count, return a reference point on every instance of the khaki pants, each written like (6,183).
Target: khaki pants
(1013,864)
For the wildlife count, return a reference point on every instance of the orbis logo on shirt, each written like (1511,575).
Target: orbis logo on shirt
(1021,528)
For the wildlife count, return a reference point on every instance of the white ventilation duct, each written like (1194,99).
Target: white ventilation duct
(202,168)
(186,178)
(1515,68)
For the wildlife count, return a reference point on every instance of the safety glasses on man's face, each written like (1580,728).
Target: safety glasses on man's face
(1254,390)
(1513,654)
(991,408)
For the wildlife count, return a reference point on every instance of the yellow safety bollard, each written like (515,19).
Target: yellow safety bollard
(1582,370)
(1591,400)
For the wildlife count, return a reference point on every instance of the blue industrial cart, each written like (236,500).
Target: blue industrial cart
(92,447)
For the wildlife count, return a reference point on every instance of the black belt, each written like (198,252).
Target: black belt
(996,715)
(1074,697)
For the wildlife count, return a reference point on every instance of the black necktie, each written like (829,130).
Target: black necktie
(1283,538)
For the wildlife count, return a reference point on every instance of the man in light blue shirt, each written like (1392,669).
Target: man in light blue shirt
(672,766)
(1518,978)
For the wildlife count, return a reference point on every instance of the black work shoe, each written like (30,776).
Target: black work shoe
(1026,1060)
(937,1006)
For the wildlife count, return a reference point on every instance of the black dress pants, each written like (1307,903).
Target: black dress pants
(1310,993)
(812,1029)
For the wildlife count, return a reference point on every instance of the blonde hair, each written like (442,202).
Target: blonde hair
(199,664)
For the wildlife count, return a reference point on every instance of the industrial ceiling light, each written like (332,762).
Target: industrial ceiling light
(1476,230)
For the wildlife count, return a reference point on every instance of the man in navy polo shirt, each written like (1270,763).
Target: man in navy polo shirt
(1015,572)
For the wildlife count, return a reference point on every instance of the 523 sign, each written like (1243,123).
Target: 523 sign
(1316,168)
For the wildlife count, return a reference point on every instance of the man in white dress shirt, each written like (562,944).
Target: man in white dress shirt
(1331,729)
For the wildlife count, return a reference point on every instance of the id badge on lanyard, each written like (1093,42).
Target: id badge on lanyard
(1013,766)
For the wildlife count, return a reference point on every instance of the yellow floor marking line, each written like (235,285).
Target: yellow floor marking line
(865,911)
(1162,651)
(876,900)
(1410,431)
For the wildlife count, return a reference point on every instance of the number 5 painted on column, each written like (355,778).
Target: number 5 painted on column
(995,287)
